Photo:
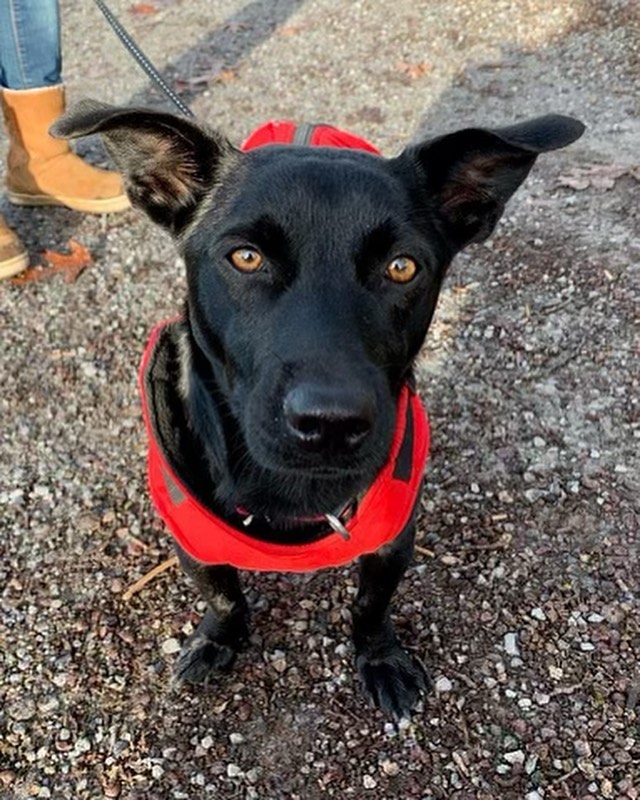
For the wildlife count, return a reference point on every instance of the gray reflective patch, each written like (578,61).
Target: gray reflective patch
(175,492)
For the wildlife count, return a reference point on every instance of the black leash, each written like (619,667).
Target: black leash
(142,60)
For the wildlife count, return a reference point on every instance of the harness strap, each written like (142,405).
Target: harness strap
(382,513)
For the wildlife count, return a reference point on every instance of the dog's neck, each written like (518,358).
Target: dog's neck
(237,481)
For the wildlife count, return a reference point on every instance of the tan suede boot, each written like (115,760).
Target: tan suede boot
(43,171)
(13,255)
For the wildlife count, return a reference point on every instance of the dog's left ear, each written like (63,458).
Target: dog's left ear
(169,163)
(472,173)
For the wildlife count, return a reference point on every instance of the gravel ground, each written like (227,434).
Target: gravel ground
(524,596)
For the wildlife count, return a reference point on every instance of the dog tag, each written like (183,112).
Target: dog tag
(337,526)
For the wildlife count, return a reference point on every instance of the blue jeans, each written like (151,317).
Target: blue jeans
(30,52)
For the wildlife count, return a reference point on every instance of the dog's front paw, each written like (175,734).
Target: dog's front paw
(201,657)
(392,680)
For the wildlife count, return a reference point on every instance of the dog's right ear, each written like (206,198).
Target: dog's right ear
(169,163)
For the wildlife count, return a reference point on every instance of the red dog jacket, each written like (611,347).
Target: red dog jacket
(381,513)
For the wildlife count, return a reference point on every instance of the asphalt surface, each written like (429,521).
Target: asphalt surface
(524,597)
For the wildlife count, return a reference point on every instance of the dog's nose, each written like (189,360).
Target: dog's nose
(323,419)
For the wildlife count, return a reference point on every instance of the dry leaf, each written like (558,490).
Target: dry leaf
(414,70)
(143,8)
(31,275)
(218,74)
(226,75)
(290,30)
(70,264)
(573,183)
(597,176)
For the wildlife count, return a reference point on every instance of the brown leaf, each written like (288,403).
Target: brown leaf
(290,30)
(414,70)
(226,75)
(217,74)
(31,275)
(143,8)
(72,264)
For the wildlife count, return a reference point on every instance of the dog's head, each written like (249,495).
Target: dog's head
(313,273)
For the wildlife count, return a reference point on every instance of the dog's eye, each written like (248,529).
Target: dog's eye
(402,269)
(246,259)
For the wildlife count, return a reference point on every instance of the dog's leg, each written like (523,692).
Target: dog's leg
(392,679)
(214,644)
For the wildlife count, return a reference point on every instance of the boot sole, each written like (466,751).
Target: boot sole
(104,206)
(14,266)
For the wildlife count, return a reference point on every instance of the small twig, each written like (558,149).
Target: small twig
(469,682)
(553,365)
(564,778)
(567,689)
(145,579)
(459,762)
(490,546)
(551,308)
(425,551)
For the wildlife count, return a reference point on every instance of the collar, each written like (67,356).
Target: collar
(335,520)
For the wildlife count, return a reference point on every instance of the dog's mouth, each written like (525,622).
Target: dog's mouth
(274,455)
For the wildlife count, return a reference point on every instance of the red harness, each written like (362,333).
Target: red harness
(381,514)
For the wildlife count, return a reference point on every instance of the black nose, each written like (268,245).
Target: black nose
(329,419)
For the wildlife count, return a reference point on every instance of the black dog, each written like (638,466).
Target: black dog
(313,274)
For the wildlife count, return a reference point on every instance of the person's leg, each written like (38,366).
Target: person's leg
(30,55)
(42,170)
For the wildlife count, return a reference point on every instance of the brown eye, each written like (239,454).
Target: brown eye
(402,269)
(246,259)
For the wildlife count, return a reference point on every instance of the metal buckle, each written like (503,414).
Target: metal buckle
(337,526)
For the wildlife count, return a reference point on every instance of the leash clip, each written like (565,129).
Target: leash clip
(338,527)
